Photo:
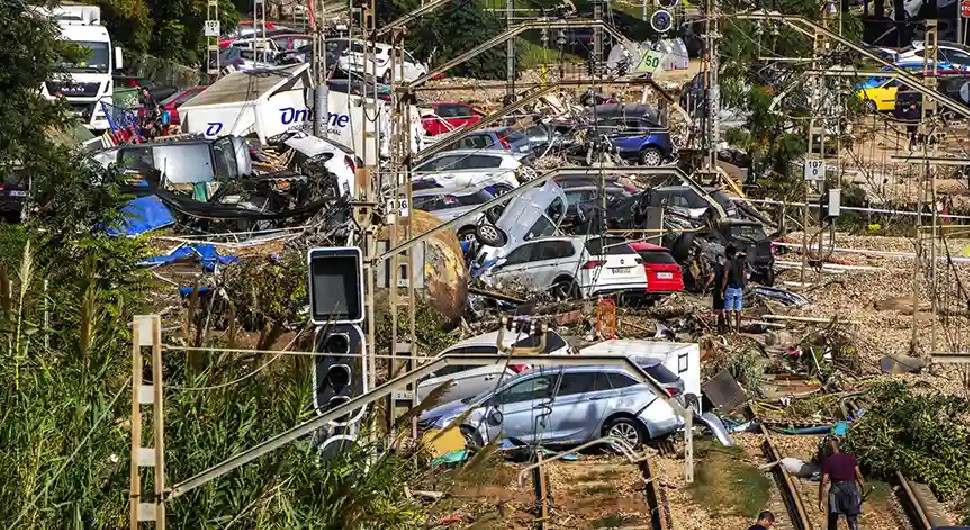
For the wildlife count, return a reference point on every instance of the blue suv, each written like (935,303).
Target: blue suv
(636,132)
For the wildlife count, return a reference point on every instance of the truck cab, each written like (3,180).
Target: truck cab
(88,82)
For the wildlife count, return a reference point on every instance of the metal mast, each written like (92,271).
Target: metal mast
(712,92)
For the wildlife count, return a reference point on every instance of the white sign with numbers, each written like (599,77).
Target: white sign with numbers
(814,170)
(211,28)
(403,208)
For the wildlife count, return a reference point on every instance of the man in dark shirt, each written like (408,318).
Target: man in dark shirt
(766,521)
(842,471)
(732,287)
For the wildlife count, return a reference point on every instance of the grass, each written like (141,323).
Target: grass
(882,492)
(725,484)
(534,54)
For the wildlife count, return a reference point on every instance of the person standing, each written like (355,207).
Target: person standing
(766,521)
(840,473)
(733,284)
(714,284)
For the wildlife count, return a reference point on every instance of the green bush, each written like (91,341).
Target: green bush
(918,434)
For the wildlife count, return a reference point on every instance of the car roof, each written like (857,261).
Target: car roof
(488,339)
(487,152)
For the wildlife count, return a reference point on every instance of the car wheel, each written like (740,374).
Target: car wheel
(650,156)
(629,430)
(565,289)
(492,214)
(490,235)
(871,106)
(471,436)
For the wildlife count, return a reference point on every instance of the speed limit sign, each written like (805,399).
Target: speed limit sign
(814,171)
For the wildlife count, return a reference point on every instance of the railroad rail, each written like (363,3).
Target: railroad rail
(916,500)
(656,498)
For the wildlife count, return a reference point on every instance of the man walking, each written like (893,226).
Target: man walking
(732,287)
(766,521)
(840,473)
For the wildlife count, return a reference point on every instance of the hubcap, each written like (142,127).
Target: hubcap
(625,432)
(489,232)
(652,158)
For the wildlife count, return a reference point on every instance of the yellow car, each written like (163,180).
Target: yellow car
(879,94)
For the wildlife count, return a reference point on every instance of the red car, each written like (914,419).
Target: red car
(448,116)
(663,272)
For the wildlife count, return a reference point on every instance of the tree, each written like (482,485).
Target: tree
(448,32)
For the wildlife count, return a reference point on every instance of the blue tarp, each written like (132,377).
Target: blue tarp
(141,215)
(206,254)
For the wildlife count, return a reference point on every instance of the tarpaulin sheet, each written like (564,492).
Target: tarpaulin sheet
(141,215)
(207,255)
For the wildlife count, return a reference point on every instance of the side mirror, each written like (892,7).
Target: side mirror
(494,418)
(119,59)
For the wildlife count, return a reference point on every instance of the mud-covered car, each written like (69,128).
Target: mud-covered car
(697,251)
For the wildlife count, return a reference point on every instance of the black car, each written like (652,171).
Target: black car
(688,202)
(697,251)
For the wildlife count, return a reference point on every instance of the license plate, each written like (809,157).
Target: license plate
(15,193)
(665,275)
(622,269)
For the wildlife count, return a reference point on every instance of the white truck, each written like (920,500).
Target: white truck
(88,81)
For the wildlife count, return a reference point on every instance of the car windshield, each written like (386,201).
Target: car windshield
(752,233)
(95,57)
(723,200)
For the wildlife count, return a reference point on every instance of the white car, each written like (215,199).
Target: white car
(447,204)
(534,213)
(261,45)
(570,267)
(951,52)
(495,171)
(342,162)
(352,60)
(472,380)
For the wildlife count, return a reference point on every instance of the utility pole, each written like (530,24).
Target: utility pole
(928,108)
(319,72)
(712,92)
(818,42)
(598,41)
(509,54)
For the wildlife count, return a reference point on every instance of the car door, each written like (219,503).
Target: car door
(886,95)
(517,266)
(550,260)
(525,406)
(578,407)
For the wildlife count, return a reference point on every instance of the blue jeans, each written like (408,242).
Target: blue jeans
(733,299)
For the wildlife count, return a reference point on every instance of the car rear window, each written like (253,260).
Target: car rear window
(613,246)
(512,136)
(660,373)
(553,342)
(657,256)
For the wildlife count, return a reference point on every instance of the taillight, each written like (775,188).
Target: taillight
(518,368)
(672,392)
(505,143)
(593,264)
(350,163)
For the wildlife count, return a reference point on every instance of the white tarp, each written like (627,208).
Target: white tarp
(273,101)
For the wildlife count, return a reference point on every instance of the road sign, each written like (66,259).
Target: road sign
(211,28)
(651,62)
(814,170)
(965,8)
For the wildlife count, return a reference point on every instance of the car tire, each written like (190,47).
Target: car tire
(564,289)
(871,106)
(650,156)
(681,247)
(627,429)
(770,276)
(472,438)
(493,214)
(490,235)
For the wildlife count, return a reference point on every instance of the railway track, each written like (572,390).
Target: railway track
(912,506)
(656,497)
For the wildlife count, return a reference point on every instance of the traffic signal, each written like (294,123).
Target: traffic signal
(336,285)
(339,372)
